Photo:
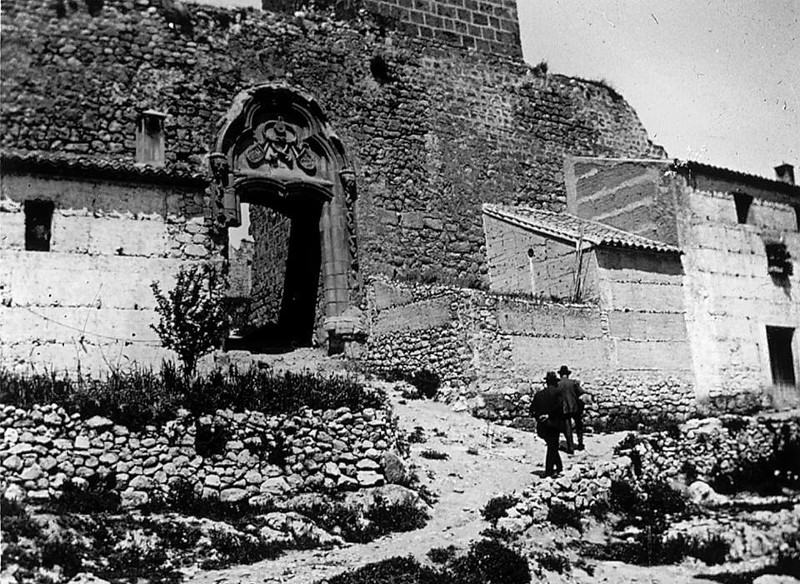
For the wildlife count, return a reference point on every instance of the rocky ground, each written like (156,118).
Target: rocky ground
(465,462)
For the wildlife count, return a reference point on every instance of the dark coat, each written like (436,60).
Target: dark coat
(548,402)
(570,392)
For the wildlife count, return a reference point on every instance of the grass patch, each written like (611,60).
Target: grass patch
(142,397)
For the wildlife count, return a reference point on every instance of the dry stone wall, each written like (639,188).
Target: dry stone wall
(433,132)
(253,455)
(492,352)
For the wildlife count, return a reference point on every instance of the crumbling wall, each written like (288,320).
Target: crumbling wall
(433,131)
(492,352)
(87,302)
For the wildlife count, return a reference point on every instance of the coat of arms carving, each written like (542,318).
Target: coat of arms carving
(277,144)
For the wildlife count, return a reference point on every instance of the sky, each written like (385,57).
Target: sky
(715,81)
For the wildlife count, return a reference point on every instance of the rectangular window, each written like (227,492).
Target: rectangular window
(781,359)
(743,203)
(38,222)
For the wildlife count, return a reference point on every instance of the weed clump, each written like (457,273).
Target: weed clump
(496,507)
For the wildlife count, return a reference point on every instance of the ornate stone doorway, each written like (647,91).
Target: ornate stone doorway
(275,151)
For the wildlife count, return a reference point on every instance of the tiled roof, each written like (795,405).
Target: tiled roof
(571,227)
(690,167)
(92,167)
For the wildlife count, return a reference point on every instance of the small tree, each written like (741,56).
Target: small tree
(192,320)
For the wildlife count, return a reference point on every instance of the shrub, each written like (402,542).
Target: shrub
(562,515)
(98,496)
(554,562)
(17,522)
(417,436)
(397,570)
(396,516)
(236,548)
(141,397)
(192,319)
(426,382)
(64,553)
(496,507)
(434,454)
(711,551)
(491,561)
(442,555)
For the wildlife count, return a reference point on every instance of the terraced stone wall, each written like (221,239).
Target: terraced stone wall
(232,456)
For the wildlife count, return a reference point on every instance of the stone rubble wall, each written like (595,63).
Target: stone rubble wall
(440,132)
(276,456)
(492,353)
(714,446)
(708,445)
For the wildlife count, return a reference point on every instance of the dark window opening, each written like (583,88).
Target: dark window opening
(38,221)
(380,70)
(150,138)
(781,359)
(797,217)
(743,203)
(778,260)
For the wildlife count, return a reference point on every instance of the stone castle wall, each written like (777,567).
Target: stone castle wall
(87,302)
(275,456)
(433,131)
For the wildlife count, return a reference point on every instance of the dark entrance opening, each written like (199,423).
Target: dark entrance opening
(781,359)
(287,264)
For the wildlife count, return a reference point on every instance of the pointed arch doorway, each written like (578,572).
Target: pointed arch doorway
(276,152)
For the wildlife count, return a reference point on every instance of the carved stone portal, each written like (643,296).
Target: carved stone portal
(275,149)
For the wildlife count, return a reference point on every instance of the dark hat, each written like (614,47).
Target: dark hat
(564,370)
(551,378)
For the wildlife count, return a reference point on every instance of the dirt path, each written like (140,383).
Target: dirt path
(505,461)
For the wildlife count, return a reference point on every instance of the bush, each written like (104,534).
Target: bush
(17,522)
(554,562)
(64,553)
(496,507)
(397,570)
(562,515)
(397,516)
(442,555)
(711,551)
(192,318)
(236,548)
(426,382)
(434,454)
(139,398)
(491,561)
(98,496)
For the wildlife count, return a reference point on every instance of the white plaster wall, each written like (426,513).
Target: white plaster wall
(87,302)
(731,298)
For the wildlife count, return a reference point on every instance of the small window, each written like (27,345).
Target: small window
(781,359)
(150,138)
(38,222)
(797,217)
(743,203)
(779,261)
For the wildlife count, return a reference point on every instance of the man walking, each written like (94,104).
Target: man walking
(547,407)
(571,393)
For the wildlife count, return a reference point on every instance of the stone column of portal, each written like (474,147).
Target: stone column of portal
(335,258)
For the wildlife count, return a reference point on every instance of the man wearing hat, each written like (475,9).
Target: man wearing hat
(571,393)
(547,407)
